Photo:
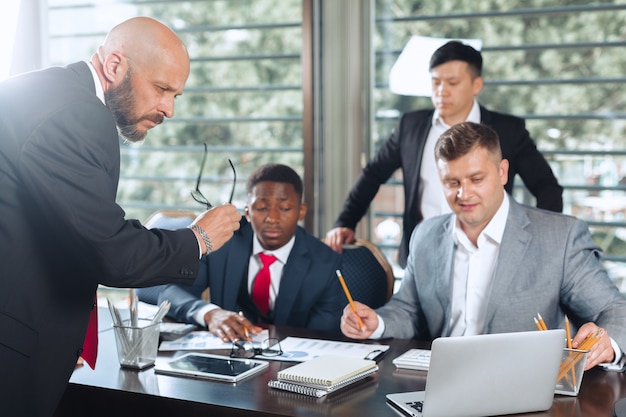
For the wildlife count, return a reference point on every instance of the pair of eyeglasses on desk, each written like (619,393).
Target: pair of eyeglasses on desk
(244,349)
(197,194)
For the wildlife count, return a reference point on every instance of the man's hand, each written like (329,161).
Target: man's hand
(335,238)
(350,325)
(230,326)
(601,352)
(219,223)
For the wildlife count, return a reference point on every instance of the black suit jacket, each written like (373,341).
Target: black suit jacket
(404,150)
(309,294)
(61,232)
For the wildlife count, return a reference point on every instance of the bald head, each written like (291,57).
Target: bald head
(143,66)
(146,41)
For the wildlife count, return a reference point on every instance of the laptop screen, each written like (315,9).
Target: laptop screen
(488,375)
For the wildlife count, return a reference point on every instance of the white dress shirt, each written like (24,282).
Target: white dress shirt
(431,196)
(97,83)
(474,267)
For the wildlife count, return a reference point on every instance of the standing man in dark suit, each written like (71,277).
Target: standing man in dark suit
(455,69)
(61,232)
(304,291)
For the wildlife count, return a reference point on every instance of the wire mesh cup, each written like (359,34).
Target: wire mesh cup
(137,345)
(571,371)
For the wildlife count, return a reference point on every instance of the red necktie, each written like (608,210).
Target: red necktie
(90,346)
(261,286)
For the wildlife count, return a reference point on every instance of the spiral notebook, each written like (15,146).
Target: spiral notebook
(323,375)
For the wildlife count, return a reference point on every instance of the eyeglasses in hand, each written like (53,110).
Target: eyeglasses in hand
(197,194)
(244,349)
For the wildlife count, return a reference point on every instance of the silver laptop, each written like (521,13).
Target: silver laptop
(487,375)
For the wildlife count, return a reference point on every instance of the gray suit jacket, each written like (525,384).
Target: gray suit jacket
(547,264)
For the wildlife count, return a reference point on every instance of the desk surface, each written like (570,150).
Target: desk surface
(111,390)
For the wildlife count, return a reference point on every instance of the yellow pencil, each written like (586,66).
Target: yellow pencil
(587,344)
(568,335)
(541,322)
(245,329)
(345,289)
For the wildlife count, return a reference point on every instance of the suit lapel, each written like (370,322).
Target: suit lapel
(485,116)
(294,274)
(84,74)
(418,142)
(236,266)
(515,243)
(444,273)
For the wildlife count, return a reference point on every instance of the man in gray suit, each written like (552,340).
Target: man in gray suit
(492,264)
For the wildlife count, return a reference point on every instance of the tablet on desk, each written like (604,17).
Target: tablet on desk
(220,368)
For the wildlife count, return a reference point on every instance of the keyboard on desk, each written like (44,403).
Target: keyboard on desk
(417,405)
(418,359)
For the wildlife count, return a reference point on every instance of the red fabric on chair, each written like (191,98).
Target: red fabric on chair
(90,345)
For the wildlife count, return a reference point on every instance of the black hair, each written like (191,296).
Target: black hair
(275,173)
(458,51)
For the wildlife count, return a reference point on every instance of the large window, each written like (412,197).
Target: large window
(8,23)
(557,64)
(243,97)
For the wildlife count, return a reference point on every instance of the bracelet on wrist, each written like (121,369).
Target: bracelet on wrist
(204,236)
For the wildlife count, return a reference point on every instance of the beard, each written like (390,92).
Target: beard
(121,102)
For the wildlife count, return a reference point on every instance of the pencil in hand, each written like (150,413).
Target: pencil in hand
(349,297)
(246,332)
(586,345)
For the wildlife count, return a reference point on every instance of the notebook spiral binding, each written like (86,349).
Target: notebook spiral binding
(300,389)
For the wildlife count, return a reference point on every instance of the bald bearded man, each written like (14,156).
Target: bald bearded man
(61,231)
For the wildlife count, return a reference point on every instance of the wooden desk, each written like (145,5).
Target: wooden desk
(113,391)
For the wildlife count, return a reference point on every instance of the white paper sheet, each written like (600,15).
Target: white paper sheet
(299,349)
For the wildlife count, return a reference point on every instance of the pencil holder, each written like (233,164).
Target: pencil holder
(571,371)
(137,345)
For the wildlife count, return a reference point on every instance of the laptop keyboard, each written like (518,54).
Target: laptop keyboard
(417,405)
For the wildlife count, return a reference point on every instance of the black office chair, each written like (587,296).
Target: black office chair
(367,273)
(169,220)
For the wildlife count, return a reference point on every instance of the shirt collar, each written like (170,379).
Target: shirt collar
(473,116)
(494,229)
(96,81)
(281,253)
